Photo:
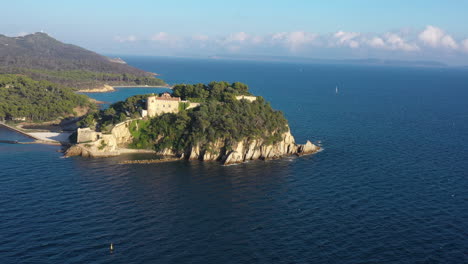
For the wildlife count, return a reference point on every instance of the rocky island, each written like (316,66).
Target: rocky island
(40,81)
(218,121)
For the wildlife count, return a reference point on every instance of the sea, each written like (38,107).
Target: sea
(390,186)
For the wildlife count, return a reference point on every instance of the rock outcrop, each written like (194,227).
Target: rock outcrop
(122,134)
(221,150)
(103,89)
(96,144)
(245,150)
(257,149)
(106,146)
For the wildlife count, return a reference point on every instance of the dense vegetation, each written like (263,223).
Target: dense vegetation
(232,121)
(220,116)
(218,91)
(115,113)
(83,78)
(20,96)
(42,57)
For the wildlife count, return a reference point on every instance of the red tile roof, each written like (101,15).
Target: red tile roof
(168,98)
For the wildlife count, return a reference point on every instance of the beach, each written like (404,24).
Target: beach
(53,137)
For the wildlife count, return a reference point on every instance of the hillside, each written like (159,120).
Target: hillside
(225,126)
(42,57)
(22,98)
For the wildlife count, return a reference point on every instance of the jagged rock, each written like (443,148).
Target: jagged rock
(73,151)
(244,150)
(210,156)
(307,148)
(122,134)
(233,158)
(167,152)
(194,153)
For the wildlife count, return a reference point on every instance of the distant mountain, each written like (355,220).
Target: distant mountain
(370,61)
(42,57)
(40,51)
(396,63)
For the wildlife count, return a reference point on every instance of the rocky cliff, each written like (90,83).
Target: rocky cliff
(246,150)
(249,149)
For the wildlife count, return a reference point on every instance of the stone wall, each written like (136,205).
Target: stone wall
(192,105)
(121,133)
(87,135)
(246,97)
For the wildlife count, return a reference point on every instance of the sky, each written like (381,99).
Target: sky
(347,29)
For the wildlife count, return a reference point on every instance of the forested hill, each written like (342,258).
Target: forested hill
(42,57)
(22,97)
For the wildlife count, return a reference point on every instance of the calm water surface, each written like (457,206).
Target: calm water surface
(390,186)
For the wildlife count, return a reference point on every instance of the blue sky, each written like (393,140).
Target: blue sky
(431,30)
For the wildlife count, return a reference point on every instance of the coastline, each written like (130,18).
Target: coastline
(40,137)
(144,86)
(107,88)
(104,89)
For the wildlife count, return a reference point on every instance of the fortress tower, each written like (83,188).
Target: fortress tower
(165,103)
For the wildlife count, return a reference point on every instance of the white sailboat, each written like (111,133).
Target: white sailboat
(336,90)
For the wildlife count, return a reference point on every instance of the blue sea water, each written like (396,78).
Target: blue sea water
(390,186)
(120,94)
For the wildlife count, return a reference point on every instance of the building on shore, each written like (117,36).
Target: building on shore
(246,97)
(157,105)
(85,135)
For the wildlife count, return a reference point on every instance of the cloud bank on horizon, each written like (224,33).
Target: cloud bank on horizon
(432,43)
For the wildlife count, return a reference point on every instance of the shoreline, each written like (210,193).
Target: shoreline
(46,137)
(144,86)
(109,89)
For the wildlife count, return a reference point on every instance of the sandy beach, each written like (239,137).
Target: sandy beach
(51,136)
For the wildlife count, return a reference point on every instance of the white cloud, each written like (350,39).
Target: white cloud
(431,36)
(377,42)
(237,37)
(465,45)
(436,37)
(344,37)
(293,40)
(395,42)
(392,41)
(161,36)
(347,39)
(449,42)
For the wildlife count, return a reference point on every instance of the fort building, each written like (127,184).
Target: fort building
(246,97)
(157,105)
(85,135)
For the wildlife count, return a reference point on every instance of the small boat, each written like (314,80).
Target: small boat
(336,90)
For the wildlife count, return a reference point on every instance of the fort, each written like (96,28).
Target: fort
(158,105)
(155,106)
(246,97)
